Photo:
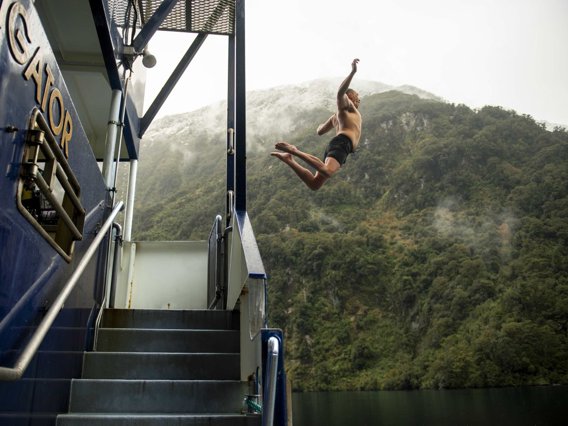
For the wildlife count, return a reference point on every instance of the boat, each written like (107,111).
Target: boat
(97,328)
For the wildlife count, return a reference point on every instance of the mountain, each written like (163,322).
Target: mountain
(436,258)
(272,112)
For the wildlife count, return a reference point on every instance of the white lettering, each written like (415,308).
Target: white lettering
(14,17)
(56,97)
(48,84)
(1,13)
(67,133)
(18,38)
(34,71)
(2,17)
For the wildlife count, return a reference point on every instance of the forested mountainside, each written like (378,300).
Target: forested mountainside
(436,258)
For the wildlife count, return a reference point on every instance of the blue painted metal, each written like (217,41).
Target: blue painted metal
(31,271)
(172,81)
(231,117)
(111,42)
(240,108)
(280,408)
(153,24)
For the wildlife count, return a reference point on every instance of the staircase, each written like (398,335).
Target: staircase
(155,367)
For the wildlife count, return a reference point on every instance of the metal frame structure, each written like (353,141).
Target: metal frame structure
(135,126)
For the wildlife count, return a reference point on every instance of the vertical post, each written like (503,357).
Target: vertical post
(240,108)
(130,200)
(230,125)
(112,131)
(269,400)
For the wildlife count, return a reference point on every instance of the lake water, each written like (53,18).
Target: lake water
(537,406)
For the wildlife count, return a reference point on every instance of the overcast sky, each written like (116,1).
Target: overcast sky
(511,53)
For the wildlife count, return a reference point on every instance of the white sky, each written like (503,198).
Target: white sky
(511,53)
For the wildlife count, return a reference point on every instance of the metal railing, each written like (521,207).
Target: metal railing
(215,261)
(270,381)
(46,172)
(16,372)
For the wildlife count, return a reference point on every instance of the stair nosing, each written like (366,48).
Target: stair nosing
(142,353)
(194,330)
(225,381)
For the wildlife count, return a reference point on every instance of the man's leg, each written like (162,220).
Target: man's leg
(312,181)
(326,168)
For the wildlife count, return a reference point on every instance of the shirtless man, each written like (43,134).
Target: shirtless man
(347,123)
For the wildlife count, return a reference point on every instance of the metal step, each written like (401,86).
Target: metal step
(161,366)
(172,340)
(157,396)
(162,420)
(164,319)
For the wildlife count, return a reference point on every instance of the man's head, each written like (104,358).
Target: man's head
(353,97)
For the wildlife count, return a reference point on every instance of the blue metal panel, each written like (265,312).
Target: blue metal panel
(31,271)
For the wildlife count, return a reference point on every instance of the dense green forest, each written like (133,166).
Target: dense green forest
(436,258)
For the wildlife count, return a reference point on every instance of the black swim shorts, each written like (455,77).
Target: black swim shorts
(339,148)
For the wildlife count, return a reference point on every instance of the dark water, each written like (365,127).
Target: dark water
(486,407)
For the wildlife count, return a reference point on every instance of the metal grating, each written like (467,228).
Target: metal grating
(191,16)
(194,16)
(123,13)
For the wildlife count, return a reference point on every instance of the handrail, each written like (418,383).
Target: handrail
(215,285)
(16,372)
(270,385)
(115,263)
(110,294)
(251,253)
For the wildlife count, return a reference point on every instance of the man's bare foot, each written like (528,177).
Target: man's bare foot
(286,147)
(284,156)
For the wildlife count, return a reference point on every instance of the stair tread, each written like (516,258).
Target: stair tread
(177,319)
(157,365)
(163,381)
(195,330)
(167,340)
(141,354)
(154,415)
(187,381)
(157,396)
(162,367)
(211,419)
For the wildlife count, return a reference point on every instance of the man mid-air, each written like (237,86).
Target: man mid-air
(347,123)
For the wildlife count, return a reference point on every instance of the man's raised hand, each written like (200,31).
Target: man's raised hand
(354,65)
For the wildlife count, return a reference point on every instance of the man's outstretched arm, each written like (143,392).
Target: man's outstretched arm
(342,102)
(327,126)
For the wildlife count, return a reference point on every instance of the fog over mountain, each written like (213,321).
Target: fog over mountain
(272,112)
